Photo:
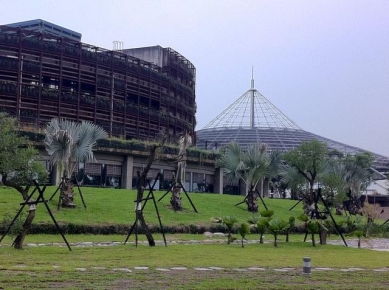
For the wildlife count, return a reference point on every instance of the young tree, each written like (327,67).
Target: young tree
(308,159)
(243,230)
(68,143)
(142,176)
(19,166)
(276,227)
(228,222)
(261,223)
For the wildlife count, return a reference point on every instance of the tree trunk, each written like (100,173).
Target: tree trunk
(139,211)
(145,228)
(252,204)
(275,241)
(323,237)
(141,187)
(175,200)
(67,194)
(18,242)
(313,240)
(261,238)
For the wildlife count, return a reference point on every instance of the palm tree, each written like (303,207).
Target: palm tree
(359,235)
(69,143)
(351,174)
(291,225)
(277,226)
(251,166)
(292,180)
(228,222)
(260,223)
(244,229)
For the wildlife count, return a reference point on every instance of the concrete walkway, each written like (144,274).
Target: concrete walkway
(372,244)
(144,268)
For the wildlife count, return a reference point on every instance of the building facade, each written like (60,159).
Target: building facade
(46,72)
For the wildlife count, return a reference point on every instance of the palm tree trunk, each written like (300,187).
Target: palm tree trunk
(261,238)
(252,204)
(313,240)
(275,241)
(67,194)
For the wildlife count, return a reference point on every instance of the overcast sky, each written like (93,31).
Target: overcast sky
(325,64)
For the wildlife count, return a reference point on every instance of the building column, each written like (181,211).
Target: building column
(266,187)
(55,178)
(243,188)
(127,172)
(218,181)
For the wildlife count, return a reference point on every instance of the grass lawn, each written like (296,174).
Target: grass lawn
(109,267)
(113,267)
(116,206)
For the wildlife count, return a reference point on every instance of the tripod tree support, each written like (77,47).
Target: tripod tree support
(60,188)
(179,185)
(315,213)
(142,177)
(32,207)
(140,207)
(249,195)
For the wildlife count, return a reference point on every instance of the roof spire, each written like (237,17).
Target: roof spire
(252,77)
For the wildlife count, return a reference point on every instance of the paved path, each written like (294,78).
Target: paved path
(143,268)
(372,244)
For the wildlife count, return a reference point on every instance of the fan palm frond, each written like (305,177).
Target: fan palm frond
(69,142)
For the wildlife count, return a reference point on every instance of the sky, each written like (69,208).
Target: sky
(324,64)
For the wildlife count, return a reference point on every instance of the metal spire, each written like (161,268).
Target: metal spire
(252,99)
(252,110)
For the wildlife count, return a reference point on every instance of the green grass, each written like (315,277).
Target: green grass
(116,206)
(205,255)
(53,267)
(56,267)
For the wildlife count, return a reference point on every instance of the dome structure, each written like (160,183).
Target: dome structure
(252,118)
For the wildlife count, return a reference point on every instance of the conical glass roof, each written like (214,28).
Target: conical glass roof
(254,119)
(252,110)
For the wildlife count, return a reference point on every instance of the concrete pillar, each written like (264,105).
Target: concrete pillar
(266,187)
(260,188)
(55,178)
(127,172)
(191,189)
(218,181)
(244,189)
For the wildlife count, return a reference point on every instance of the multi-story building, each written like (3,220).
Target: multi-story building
(46,71)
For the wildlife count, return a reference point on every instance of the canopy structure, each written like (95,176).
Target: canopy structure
(254,119)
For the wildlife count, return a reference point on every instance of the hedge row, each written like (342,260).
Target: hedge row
(48,228)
